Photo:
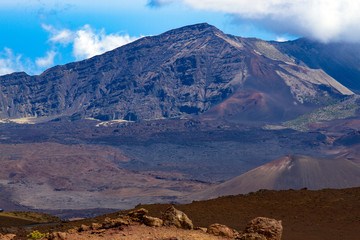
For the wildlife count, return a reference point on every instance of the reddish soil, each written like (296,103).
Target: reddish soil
(329,214)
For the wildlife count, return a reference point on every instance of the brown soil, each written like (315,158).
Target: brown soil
(14,222)
(312,215)
(136,232)
(329,214)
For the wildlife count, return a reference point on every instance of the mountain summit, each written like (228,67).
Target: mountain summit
(195,69)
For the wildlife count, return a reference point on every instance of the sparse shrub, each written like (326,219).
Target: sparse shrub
(37,235)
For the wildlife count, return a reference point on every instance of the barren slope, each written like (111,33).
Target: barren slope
(53,176)
(291,172)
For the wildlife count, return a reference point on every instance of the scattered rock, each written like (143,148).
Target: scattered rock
(137,215)
(201,229)
(152,221)
(84,227)
(73,230)
(220,230)
(117,222)
(270,228)
(96,226)
(251,236)
(12,230)
(236,234)
(8,236)
(174,217)
(58,235)
(99,231)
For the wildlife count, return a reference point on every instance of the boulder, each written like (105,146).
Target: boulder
(138,214)
(152,221)
(84,227)
(174,217)
(58,236)
(270,228)
(220,230)
(73,230)
(117,222)
(201,229)
(8,236)
(96,226)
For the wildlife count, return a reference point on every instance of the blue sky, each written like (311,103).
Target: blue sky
(38,34)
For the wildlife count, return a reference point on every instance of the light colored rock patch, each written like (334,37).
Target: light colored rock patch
(239,79)
(269,51)
(300,89)
(232,42)
(301,79)
(109,123)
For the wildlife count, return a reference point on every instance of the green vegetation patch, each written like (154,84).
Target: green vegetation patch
(340,110)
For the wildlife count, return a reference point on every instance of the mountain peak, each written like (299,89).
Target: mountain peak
(195,29)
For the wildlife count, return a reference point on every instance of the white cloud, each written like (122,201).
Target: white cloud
(63,36)
(10,62)
(325,20)
(46,61)
(88,43)
(85,42)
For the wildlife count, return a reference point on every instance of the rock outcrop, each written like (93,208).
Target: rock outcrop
(176,218)
(138,214)
(117,222)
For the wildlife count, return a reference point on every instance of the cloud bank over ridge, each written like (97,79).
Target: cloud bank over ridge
(323,20)
(85,42)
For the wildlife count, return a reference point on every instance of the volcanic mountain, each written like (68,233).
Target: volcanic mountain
(195,69)
(189,95)
(291,172)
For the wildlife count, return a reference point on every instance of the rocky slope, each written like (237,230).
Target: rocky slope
(191,70)
(339,60)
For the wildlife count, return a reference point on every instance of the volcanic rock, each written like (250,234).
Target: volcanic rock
(152,221)
(174,217)
(220,230)
(270,228)
(84,227)
(117,222)
(96,226)
(8,236)
(138,214)
(58,236)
